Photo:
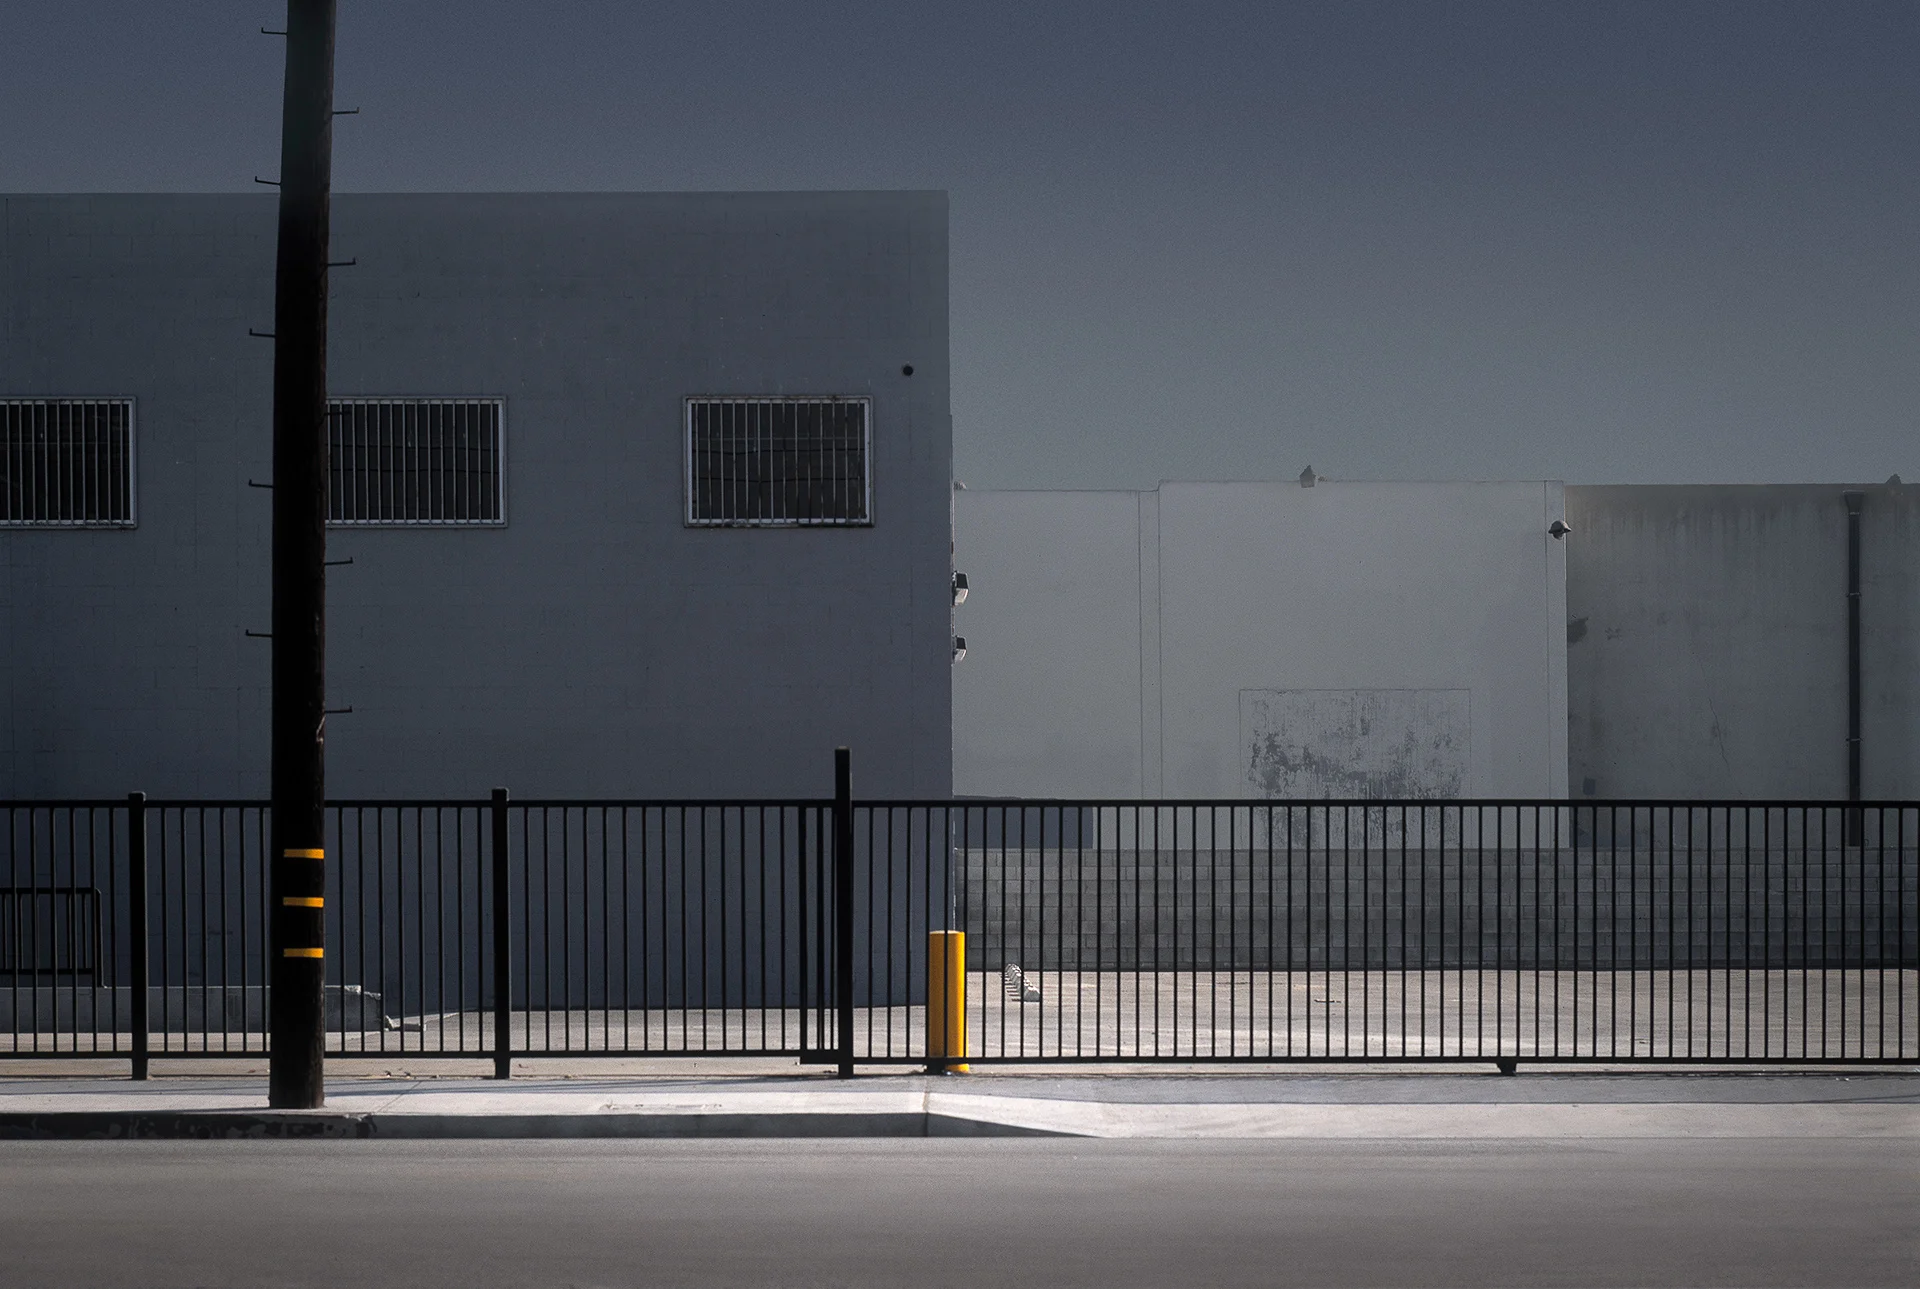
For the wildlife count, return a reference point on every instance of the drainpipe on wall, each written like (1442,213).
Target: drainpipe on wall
(1854,502)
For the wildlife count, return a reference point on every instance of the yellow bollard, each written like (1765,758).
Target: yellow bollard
(947,1001)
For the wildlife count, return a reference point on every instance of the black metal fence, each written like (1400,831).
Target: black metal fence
(1503,931)
(1096,931)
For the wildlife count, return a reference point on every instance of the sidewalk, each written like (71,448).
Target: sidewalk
(1244,1104)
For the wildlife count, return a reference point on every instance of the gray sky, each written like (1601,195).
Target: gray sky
(1600,241)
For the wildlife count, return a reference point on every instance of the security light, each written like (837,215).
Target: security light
(959,588)
(1558,529)
(959,648)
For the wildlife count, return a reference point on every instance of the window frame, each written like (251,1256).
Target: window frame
(133,465)
(499,403)
(690,520)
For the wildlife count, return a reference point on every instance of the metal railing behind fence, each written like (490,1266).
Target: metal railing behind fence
(1762,932)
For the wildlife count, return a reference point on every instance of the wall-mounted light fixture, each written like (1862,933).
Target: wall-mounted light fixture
(959,588)
(959,648)
(1558,529)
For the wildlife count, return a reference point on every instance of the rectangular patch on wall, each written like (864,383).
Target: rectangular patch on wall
(1356,744)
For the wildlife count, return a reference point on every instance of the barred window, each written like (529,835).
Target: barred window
(49,931)
(415,461)
(66,462)
(779,462)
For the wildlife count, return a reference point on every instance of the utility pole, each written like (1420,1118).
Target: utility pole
(296,1076)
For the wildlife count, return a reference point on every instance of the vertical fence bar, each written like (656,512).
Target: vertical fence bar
(874,977)
(502,950)
(810,975)
(137,925)
(843,903)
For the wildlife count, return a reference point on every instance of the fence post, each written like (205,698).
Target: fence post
(1854,833)
(502,944)
(843,902)
(137,925)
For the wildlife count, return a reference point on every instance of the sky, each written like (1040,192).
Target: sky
(1601,241)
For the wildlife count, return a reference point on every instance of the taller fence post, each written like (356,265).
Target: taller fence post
(502,946)
(1855,834)
(843,902)
(137,926)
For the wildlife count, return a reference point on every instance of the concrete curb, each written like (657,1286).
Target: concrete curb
(995,1117)
(109,1125)
(1496,1121)
(916,1107)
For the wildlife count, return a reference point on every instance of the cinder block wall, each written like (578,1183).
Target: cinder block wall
(1598,909)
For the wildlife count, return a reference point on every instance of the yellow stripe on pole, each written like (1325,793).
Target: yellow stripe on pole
(304,854)
(303,953)
(304,901)
(947,999)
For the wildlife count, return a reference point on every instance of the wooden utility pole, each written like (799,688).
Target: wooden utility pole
(296,1077)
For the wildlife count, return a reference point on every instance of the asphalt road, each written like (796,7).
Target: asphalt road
(963,1213)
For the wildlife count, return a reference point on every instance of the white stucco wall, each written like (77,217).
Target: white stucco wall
(1051,680)
(1247,639)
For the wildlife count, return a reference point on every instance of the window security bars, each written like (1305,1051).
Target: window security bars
(49,931)
(779,462)
(66,463)
(1491,932)
(416,461)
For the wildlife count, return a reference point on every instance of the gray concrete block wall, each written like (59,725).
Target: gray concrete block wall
(594,645)
(1380,910)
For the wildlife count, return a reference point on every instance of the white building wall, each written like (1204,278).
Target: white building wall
(1256,639)
(1050,685)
